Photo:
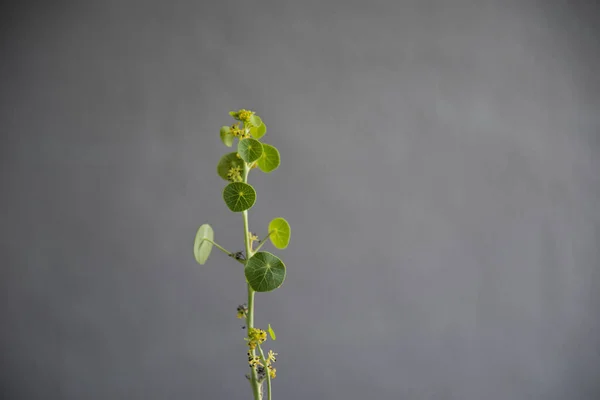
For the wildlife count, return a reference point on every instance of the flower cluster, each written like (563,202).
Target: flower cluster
(237,132)
(243,115)
(234,174)
(261,369)
(256,337)
(242,310)
(254,360)
(271,358)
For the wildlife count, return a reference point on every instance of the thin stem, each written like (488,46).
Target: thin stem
(245,214)
(250,324)
(230,254)
(250,315)
(264,360)
(262,242)
(247,235)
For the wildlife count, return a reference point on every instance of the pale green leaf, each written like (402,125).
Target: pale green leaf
(226,136)
(250,149)
(255,120)
(202,247)
(272,333)
(270,159)
(258,131)
(279,233)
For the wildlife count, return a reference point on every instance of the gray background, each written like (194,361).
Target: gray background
(440,173)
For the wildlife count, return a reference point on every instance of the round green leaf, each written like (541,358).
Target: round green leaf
(264,271)
(228,161)
(258,131)
(255,120)
(239,196)
(279,233)
(250,149)
(269,160)
(202,248)
(226,136)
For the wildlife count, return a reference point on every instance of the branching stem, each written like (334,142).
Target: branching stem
(250,314)
(230,254)
(264,361)
(260,244)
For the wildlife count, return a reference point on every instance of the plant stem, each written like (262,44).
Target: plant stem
(260,244)
(250,324)
(250,315)
(230,254)
(264,360)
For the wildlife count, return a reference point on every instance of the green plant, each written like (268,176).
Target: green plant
(264,271)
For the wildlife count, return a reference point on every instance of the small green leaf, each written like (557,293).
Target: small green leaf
(239,196)
(228,161)
(226,136)
(250,149)
(279,233)
(255,120)
(272,333)
(270,158)
(202,248)
(264,272)
(258,131)
(234,114)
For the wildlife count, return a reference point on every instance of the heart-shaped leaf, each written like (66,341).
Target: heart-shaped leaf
(264,272)
(239,196)
(202,247)
(269,161)
(279,233)
(250,149)
(228,161)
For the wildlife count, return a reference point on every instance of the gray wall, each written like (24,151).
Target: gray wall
(441,174)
